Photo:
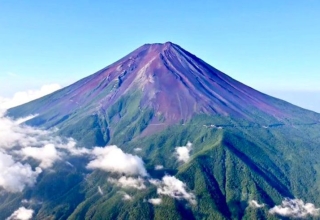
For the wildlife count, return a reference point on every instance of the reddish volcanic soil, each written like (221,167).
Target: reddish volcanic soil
(173,82)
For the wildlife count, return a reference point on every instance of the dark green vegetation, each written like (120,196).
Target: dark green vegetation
(246,145)
(228,167)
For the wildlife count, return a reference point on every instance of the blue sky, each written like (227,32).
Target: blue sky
(273,46)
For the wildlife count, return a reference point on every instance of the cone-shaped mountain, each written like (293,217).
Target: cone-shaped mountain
(248,147)
(165,79)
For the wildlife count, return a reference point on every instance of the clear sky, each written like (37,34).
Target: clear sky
(273,45)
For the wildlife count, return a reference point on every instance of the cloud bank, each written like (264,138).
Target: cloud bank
(183,153)
(295,208)
(18,142)
(27,96)
(13,134)
(113,159)
(15,176)
(21,214)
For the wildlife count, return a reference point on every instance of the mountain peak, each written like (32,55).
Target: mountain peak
(157,48)
(148,103)
(168,44)
(167,80)
(165,44)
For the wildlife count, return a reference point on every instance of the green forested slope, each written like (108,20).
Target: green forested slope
(228,168)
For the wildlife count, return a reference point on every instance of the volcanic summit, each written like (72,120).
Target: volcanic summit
(162,82)
(239,152)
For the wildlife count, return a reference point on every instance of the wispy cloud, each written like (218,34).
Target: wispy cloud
(27,96)
(21,214)
(183,152)
(31,202)
(295,208)
(129,182)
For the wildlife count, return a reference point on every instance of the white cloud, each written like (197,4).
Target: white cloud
(113,159)
(158,167)
(34,141)
(18,140)
(155,201)
(126,197)
(129,182)
(173,187)
(255,204)
(183,153)
(22,141)
(21,214)
(137,149)
(155,182)
(13,134)
(25,201)
(295,208)
(31,202)
(15,176)
(26,96)
(70,145)
(47,154)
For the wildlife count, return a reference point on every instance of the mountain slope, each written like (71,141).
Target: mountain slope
(168,83)
(246,145)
